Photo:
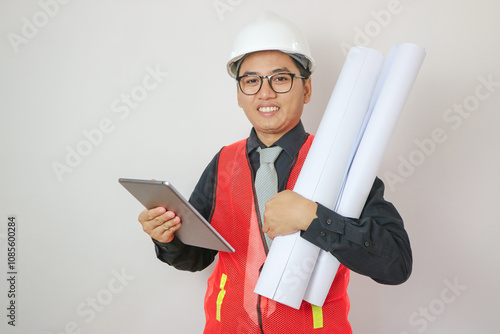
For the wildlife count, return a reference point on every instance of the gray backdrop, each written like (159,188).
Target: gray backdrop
(96,90)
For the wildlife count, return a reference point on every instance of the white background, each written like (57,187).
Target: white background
(63,68)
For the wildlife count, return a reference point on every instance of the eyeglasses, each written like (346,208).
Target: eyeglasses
(279,82)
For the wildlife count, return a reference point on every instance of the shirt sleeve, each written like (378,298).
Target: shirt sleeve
(375,245)
(186,257)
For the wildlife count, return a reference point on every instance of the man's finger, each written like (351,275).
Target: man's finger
(148,215)
(153,213)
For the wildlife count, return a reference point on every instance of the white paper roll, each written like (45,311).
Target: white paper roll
(291,260)
(397,78)
(400,78)
(342,165)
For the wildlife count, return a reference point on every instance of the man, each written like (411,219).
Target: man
(272,65)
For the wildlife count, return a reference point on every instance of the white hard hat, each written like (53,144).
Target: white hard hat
(270,32)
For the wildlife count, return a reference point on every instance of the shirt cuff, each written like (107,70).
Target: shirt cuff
(175,245)
(325,230)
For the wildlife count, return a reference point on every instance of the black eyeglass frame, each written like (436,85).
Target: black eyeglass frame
(268,77)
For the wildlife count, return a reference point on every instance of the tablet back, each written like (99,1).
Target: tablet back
(195,230)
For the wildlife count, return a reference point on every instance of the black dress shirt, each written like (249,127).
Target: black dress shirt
(376,244)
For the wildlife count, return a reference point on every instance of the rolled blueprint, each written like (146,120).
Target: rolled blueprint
(397,78)
(403,71)
(342,165)
(291,259)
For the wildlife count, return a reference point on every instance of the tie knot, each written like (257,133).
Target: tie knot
(269,155)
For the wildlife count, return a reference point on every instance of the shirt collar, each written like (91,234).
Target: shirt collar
(291,142)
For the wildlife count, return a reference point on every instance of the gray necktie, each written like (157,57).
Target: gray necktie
(266,179)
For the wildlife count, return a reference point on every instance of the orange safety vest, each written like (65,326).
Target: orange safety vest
(231,306)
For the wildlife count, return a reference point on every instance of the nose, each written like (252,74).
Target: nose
(266,92)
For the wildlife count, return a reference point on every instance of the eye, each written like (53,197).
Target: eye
(281,78)
(250,80)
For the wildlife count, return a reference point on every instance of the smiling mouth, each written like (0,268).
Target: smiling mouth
(269,109)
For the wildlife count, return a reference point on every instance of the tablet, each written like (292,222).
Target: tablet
(195,230)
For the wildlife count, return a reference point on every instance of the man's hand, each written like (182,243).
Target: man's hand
(160,224)
(287,212)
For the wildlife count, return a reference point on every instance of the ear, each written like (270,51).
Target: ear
(307,90)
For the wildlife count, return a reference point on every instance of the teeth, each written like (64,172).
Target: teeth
(268,109)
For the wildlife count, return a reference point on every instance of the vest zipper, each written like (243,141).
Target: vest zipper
(259,313)
(259,310)
(262,237)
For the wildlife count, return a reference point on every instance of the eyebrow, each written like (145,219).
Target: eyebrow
(277,70)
